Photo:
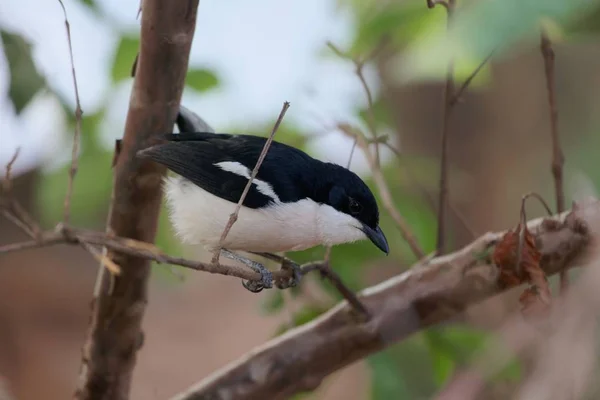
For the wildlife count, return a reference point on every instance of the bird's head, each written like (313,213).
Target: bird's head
(355,206)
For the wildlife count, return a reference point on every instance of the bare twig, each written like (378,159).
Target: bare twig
(448,95)
(233,217)
(427,195)
(147,251)
(359,71)
(374,162)
(7,181)
(77,134)
(351,297)
(384,191)
(523,226)
(324,267)
(557,153)
(433,3)
(104,260)
(458,94)
(430,292)
(11,209)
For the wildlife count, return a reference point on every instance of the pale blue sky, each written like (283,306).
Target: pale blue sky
(265,52)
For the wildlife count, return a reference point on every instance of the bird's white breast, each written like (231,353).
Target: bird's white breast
(199,217)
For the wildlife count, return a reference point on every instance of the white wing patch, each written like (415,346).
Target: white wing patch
(239,169)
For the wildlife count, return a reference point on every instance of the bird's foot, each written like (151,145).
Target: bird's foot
(286,264)
(293,280)
(266,276)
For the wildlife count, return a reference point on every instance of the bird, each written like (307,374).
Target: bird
(295,202)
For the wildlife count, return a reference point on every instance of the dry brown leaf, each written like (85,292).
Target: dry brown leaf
(537,297)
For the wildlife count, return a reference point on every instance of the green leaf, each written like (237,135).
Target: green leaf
(124,57)
(387,381)
(273,303)
(91,4)
(93,183)
(457,347)
(443,367)
(301,317)
(479,29)
(25,80)
(401,22)
(201,79)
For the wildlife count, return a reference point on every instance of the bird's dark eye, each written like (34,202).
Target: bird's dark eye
(355,207)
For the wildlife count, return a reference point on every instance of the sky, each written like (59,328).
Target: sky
(265,53)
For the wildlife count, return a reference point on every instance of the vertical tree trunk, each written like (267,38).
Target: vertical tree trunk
(115,334)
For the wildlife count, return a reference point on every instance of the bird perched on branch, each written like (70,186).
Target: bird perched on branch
(295,202)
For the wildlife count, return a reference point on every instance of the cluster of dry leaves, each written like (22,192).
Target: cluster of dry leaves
(517,257)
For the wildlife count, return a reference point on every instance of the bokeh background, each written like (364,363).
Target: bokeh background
(247,58)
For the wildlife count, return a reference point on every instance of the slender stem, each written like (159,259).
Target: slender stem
(557,153)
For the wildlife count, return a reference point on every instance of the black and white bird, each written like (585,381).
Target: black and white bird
(295,202)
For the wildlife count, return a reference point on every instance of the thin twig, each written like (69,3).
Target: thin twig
(7,181)
(351,297)
(384,191)
(523,224)
(425,193)
(557,153)
(359,71)
(373,161)
(148,251)
(103,259)
(11,214)
(77,134)
(458,94)
(11,209)
(443,186)
(233,217)
(324,267)
(433,3)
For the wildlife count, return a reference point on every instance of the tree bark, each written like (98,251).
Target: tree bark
(115,335)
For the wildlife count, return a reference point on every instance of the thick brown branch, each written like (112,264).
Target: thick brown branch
(109,353)
(428,293)
(557,153)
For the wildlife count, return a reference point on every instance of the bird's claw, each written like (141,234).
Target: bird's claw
(296,277)
(265,282)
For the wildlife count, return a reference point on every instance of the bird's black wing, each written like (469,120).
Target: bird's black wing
(194,155)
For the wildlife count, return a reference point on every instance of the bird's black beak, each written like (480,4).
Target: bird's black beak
(377,237)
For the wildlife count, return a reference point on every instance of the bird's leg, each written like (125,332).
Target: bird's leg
(266,277)
(288,264)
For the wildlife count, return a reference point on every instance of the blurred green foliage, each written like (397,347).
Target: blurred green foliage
(125,54)
(25,80)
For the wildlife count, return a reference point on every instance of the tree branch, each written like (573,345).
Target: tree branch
(429,293)
(114,337)
(139,249)
(448,96)
(558,159)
